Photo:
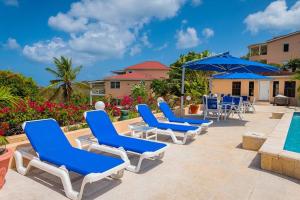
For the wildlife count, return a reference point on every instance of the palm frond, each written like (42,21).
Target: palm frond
(7,97)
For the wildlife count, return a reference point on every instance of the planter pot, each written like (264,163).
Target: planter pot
(124,115)
(4,162)
(194,109)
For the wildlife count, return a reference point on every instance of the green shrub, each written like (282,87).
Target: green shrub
(19,84)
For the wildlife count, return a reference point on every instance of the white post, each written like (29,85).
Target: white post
(182,92)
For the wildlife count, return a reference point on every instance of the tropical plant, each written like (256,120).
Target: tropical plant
(3,143)
(19,85)
(293,65)
(196,82)
(65,81)
(160,87)
(139,90)
(6,98)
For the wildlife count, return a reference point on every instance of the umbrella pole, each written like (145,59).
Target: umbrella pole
(182,92)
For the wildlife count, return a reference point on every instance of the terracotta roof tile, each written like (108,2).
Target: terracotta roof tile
(148,65)
(130,76)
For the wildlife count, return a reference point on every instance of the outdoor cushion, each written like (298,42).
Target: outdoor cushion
(48,140)
(150,119)
(105,132)
(164,107)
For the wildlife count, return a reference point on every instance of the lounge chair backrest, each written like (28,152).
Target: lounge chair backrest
(100,124)
(245,98)
(164,107)
(147,115)
(237,100)
(227,99)
(212,103)
(46,136)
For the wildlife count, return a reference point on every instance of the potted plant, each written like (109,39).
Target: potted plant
(5,155)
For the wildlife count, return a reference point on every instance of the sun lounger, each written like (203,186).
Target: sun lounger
(107,137)
(55,155)
(168,113)
(167,128)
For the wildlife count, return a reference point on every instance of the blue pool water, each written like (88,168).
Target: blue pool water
(292,142)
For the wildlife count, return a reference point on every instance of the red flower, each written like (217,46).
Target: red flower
(2,132)
(139,99)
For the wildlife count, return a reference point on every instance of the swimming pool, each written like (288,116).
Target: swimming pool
(292,142)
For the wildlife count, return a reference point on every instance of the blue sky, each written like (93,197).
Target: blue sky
(105,35)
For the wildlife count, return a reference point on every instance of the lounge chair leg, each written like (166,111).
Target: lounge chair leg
(161,155)
(118,175)
(61,173)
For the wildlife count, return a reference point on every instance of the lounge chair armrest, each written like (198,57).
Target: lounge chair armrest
(110,150)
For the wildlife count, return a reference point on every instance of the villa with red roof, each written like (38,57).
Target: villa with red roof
(120,84)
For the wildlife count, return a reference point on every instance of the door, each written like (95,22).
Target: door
(264,90)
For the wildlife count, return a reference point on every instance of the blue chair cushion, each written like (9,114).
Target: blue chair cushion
(48,140)
(164,107)
(81,161)
(150,119)
(106,134)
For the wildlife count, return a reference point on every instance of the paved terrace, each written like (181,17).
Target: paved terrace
(211,167)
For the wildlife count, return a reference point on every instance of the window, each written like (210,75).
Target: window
(251,88)
(286,47)
(264,50)
(115,85)
(289,88)
(236,88)
(275,88)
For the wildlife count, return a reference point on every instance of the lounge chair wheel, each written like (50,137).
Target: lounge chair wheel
(118,175)
(161,155)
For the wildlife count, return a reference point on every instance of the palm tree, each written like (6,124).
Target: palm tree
(65,78)
(6,97)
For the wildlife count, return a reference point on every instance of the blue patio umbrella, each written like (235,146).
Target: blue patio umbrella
(225,63)
(249,76)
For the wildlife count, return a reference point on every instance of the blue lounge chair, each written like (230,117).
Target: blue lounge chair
(55,155)
(107,137)
(167,128)
(168,113)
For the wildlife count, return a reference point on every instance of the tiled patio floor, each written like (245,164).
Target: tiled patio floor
(212,167)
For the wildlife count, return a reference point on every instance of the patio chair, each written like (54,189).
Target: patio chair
(167,128)
(168,113)
(55,155)
(211,108)
(106,137)
(238,107)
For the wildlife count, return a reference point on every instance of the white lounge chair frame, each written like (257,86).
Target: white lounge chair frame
(93,144)
(62,173)
(204,126)
(169,132)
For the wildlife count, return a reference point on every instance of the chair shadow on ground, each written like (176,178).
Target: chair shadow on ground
(229,122)
(168,139)
(91,191)
(255,164)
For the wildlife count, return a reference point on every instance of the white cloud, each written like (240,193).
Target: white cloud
(187,38)
(208,33)
(67,23)
(277,16)
(136,49)
(145,40)
(104,29)
(44,51)
(165,45)
(11,44)
(196,2)
(11,2)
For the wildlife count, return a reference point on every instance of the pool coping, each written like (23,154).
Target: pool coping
(273,156)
